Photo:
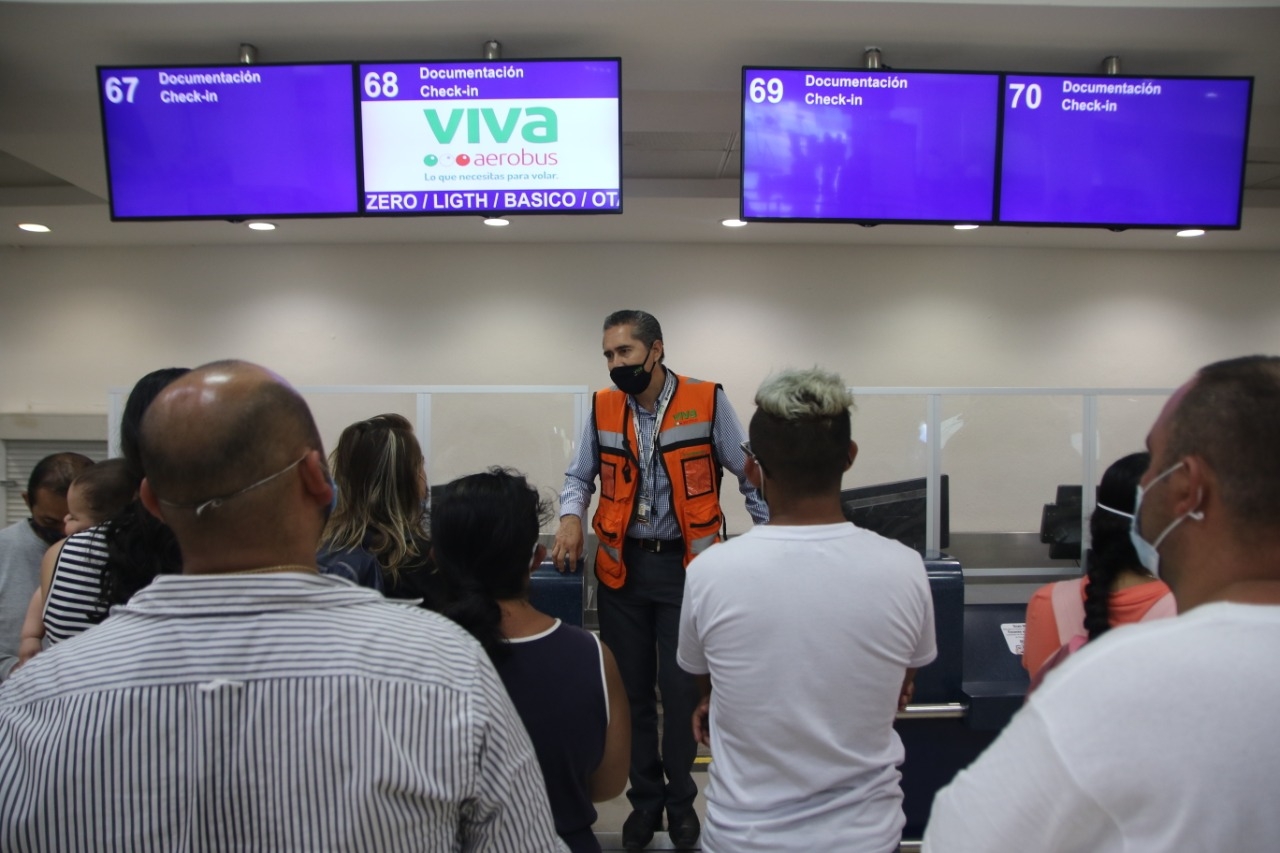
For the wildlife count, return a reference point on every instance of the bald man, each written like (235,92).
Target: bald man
(251,703)
(1161,736)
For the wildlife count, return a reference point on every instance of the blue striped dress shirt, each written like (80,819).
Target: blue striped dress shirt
(267,712)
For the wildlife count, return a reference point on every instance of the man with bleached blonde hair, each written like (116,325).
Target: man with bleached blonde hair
(810,630)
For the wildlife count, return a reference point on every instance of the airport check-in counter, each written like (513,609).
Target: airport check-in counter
(975,686)
(559,594)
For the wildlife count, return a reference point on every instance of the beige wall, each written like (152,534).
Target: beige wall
(74,322)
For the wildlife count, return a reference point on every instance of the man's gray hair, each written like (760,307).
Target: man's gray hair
(644,326)
(803,395)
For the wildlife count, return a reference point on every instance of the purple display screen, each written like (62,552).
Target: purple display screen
(853,144)
(1124,151)
(491,137)
(230,142)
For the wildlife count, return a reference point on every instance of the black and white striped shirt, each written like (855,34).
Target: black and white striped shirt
(73,604)
(263,713)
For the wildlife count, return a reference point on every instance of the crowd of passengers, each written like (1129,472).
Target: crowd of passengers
(191,572)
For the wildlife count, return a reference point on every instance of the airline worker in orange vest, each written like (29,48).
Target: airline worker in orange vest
(657,441)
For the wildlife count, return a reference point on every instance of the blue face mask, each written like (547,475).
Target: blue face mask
(1148,553)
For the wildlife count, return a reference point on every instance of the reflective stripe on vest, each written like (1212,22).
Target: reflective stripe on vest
(697,546)
(611,440)
(681,434)
(688,458)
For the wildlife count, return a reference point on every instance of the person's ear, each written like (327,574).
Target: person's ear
(149,499)
(1199,483)
(657,349)
(539,554)
(853,454)
(315,478)
(755,474)
(26,499)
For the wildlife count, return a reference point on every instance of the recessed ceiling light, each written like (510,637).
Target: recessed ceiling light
(33,227)
(1191,232)
(262,226)
(965,227)
(733,223)
(496,221)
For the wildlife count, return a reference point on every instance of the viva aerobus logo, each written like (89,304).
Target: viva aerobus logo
(537,125)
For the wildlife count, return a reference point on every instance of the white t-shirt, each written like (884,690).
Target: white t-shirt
(806,633)
(1156,737)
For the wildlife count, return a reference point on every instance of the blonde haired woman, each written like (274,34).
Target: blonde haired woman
(377,535)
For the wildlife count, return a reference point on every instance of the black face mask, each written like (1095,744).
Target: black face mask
(49,535)
(632,379)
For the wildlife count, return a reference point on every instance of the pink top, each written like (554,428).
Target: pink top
(1044,635)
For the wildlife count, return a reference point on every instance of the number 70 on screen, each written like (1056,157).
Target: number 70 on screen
(1032,91)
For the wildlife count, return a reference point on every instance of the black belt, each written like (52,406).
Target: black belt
(656,546)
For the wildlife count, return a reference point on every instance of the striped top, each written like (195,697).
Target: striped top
(262,713)
(73,604)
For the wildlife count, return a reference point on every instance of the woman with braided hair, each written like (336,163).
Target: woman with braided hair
(1116,589)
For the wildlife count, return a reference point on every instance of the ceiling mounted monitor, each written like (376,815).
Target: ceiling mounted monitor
(854,145)
(230,142)
(1124,152)
(496,137)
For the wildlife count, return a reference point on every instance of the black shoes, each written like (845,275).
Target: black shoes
(684,830)
(639,828)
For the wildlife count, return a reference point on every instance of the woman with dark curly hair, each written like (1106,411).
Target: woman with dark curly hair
(563,680)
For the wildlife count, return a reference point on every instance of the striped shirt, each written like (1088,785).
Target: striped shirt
(262,713)
(73,604)
(726,434)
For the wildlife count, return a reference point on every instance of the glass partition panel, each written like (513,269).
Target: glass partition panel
(334,411)
(1006,456)
(1123,424)
(892,437)
(886,489)
(533,433)
(1005,452)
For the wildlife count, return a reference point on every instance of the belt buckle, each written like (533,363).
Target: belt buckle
(658,546)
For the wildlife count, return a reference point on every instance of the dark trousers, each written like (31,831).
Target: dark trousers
(640,623)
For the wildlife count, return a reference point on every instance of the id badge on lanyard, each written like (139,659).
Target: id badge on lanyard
(644,506)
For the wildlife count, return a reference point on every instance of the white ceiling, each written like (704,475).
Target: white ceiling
(681,63)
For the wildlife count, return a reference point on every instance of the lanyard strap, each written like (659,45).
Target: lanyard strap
(646,458)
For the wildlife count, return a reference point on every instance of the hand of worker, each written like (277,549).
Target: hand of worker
(567,549)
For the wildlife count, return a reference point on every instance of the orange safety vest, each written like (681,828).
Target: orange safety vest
(688,456)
